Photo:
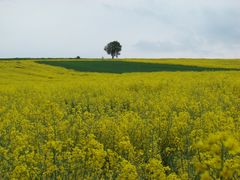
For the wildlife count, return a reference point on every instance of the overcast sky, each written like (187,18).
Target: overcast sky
(145,28)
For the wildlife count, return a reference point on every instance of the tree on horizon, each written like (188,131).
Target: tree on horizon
(113,48)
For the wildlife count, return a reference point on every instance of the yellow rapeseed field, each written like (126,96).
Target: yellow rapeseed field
(63,124)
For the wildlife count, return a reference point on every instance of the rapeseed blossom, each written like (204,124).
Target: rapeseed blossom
(58,124)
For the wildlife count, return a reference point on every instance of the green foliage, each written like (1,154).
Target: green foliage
(113,48)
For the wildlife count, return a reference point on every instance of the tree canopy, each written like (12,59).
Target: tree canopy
(113,48)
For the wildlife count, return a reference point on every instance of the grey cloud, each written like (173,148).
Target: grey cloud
(187,48)
(183,45)
(147,46)
(144,27)
(222,27)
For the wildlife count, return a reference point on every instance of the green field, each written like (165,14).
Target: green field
(127,67)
